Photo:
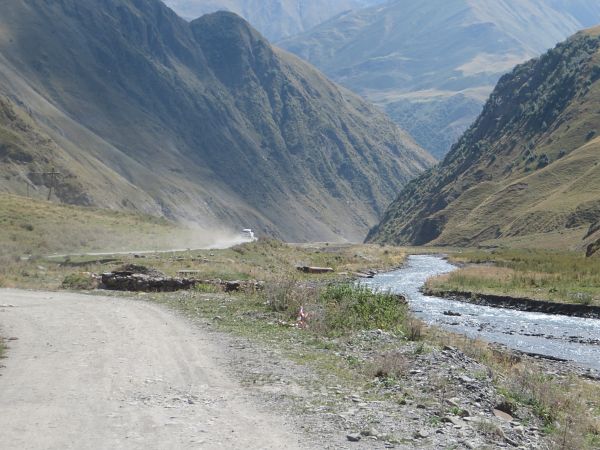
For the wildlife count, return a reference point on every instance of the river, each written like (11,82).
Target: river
(570,338)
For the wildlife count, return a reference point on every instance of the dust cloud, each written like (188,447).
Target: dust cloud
(188,237)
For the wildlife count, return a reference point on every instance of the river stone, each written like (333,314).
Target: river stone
(353,437)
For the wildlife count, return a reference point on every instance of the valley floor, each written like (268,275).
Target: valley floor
(363,373)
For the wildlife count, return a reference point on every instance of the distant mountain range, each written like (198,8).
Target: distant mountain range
(203,121)
(527,173)
(276,19)
(432,64)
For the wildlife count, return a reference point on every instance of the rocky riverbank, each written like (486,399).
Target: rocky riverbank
(520,304)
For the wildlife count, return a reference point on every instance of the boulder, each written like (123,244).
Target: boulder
(144,282)
(593,248)
(315,270)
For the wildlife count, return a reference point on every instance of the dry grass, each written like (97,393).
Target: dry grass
(390,365)
(566,277)
(267,260)
(35,227)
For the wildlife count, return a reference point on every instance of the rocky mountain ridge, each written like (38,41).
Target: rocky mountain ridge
(431,65)
(276,19)
(526,171)
(204,122)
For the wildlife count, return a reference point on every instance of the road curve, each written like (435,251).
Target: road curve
(89,372)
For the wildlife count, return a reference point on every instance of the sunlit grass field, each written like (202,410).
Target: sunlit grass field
(561,276)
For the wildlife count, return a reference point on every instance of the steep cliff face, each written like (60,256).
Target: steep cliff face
(528,165)
(200,121)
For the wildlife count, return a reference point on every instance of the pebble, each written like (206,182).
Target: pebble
(454,421)
(422,434)
(353,437)
(372,432)
(466,379)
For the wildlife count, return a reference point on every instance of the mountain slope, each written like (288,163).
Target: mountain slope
(200,121)
(432,64)
(276,19)
(529,166)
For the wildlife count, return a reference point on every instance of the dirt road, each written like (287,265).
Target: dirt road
(93,372)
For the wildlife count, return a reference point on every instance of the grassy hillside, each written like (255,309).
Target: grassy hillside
(432,64)
(35,227)
(526,173)
(202,121)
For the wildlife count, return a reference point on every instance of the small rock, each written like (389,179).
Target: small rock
(452,403)
(422,434)
(466,379)
(454,421)
(372,432)
(503,415)
(520,430)
(353,437)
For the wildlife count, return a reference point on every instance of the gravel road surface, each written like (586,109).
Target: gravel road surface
(91,372)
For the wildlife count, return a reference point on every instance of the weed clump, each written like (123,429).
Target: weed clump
(338,309)
(345,307)
(390,366)
(79,281)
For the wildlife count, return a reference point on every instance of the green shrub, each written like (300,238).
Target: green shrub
(345,307)
(206,288)
(79,281)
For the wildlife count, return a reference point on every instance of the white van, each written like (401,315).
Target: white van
(247,233)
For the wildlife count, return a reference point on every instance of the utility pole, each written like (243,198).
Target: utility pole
(53,174)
